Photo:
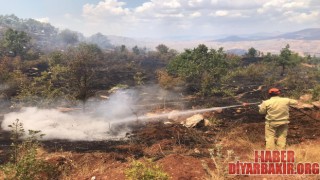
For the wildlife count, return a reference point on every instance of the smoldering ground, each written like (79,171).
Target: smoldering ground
(104,119)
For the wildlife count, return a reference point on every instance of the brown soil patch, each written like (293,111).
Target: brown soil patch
(181,167)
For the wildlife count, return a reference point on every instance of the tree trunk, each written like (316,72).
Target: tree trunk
(283,68)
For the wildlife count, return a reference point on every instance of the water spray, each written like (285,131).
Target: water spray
(181,113)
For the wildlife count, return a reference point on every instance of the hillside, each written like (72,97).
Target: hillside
(305,34)
(48,38)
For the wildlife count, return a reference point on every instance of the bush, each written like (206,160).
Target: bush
(24,165)
(145,170)
(316,92)
(200,68)
(253,72)
(168,82)
(300,81)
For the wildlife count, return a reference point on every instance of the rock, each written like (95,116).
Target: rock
(306,98)
(167,122)
(117,88)
(303,106)
(259,88)
(104,97)
(193,120)
(307,106)
(173,115)
(207,122)
(316,104)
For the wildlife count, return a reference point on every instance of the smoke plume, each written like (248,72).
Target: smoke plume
(99,123)
(102,120)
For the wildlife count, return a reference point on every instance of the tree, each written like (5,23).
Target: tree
(56,58)
(136,50)
(101,40)
(287,58)
(83,61)
(11,75)
(252,52)
(201,68)
(69,37)
(39,91)
(162,49)
(123,48)
(15,43)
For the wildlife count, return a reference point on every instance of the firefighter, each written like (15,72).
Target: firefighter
(277,119)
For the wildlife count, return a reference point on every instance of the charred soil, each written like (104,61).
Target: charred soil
(184,153)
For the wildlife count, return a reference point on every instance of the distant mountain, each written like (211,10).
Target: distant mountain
(232,38)
(129,42)
(305,34)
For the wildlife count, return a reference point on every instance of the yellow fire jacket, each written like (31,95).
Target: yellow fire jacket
(277,109)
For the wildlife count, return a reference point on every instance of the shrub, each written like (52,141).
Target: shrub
(168,82)
(300,81)
(23,164)
(316,92)
(253,72)
(145,170)
(200,68)
(215,121)
(139,78)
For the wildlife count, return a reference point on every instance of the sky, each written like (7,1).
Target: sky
(170,18)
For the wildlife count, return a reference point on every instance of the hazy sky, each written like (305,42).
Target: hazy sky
(166,18)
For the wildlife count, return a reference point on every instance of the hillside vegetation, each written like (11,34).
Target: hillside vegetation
(34,76)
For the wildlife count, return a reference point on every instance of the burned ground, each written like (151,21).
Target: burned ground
(183,152)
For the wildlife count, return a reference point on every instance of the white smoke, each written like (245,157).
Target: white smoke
(102,120)
(98,124)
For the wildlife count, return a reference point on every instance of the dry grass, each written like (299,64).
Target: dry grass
(307,152)
(238,140)
(80,165)
(85,165)
(89,165)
